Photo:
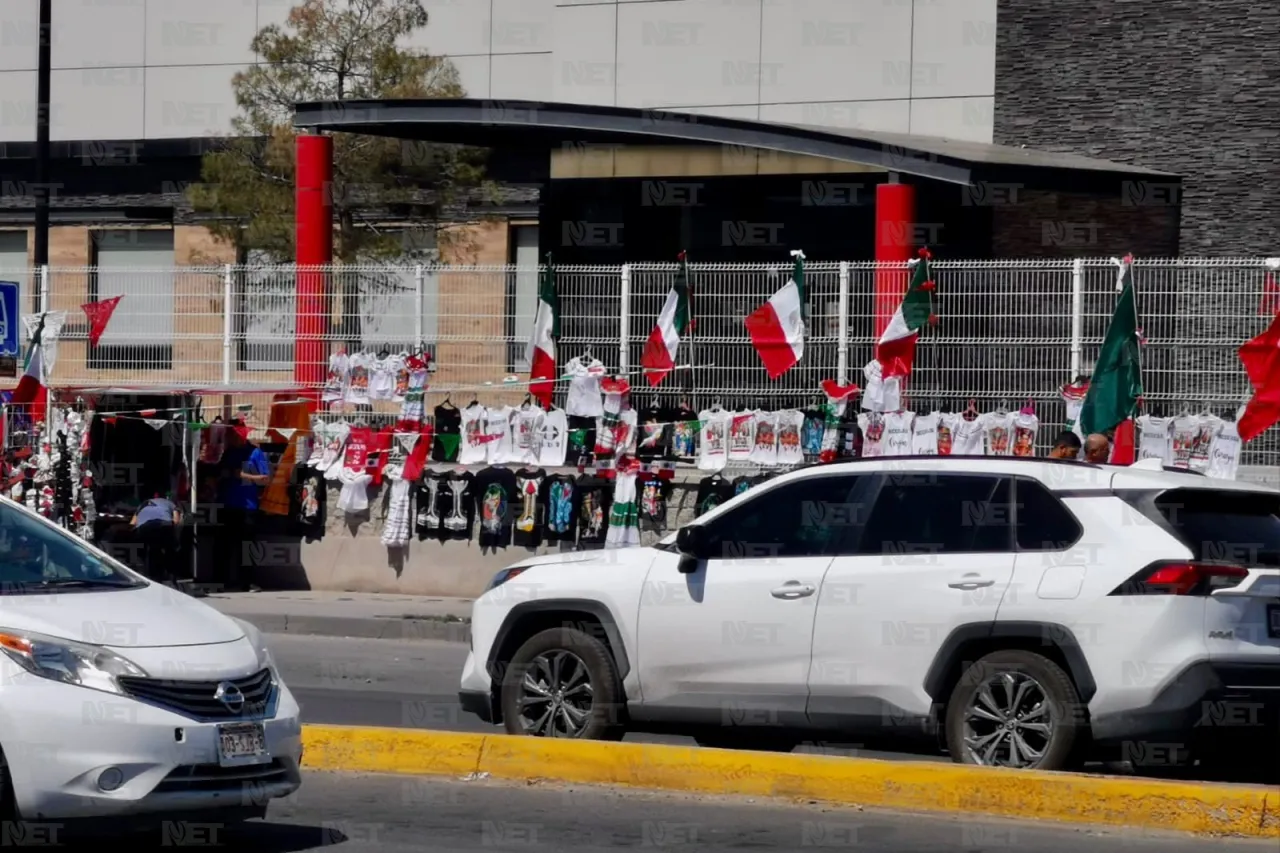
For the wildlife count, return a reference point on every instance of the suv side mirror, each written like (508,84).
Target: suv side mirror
(694,544)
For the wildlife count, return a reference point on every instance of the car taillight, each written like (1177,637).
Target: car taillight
(1181,577)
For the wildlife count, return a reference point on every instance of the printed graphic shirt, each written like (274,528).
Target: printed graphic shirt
(457,506)
(684,433)
(740,485)
(789,428)
(655,492)
(967,436)
(399,367)
(999,430)
(414,407)
(624,513)
(742,436)
(554,439)
(873,429)
(526,434)
(815,425)
(562,505)
(1025,427)
(1182,440)
(495,492)
(584,398)
(652,438)
(497,429)
(335,438)
(582,439)
(358,387)
(382,382)
(713,439)
(1209,426)
(1224,452)
(530,507)
(472,446)
(447,439)
(924,434)
(308,498)
(427,499)
(1155,438)
(764,450)
(335,382)
(355,456)
(897,433)
(712,491)
(594,496)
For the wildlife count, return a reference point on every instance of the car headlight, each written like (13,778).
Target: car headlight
(67,661)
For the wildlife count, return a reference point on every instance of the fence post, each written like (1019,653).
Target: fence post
(1077,317)
(842,351)
(624,324)
(45,378)
(228,282)
(419,280)
(44,288)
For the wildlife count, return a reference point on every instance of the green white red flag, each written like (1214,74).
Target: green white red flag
(541,353)
(31,393)
(896,349)
(777,327)
(674,322)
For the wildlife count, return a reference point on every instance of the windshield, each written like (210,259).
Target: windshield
(37,556)
(1225,526)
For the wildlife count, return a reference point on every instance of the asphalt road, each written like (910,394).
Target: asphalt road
(345,813)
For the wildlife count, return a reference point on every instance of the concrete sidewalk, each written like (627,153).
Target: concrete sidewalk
(350,614)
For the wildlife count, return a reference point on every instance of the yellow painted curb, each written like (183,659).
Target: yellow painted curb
(935,787)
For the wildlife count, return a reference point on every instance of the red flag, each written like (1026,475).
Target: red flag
(1123,448)
(1261,355)
(99,314)
(1270,304)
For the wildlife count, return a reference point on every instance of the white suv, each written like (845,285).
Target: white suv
(1027,612)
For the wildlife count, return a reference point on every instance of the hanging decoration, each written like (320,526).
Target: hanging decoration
(99,314)
(777,328)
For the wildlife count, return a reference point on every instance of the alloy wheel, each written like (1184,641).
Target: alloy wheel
(1009,721)
(556,695)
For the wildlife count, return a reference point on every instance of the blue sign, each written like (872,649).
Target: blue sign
(9,319)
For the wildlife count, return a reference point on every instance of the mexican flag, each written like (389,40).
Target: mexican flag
(31,391)
(896,349)
(1115,387)
(659,356)
(777,327)
(1261,359)
(541,353)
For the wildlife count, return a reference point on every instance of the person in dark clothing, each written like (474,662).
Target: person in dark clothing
(155,527)
(1066,447)
(245,471)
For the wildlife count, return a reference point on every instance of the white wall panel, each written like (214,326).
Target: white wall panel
(18,106)
(473,71)
(886,116)
(955,49)
(454,27)
(199,32)
(584,65)
(19,36)
(97,103)
(88,33)
(189,101)
(521,26)
(968,119)
(520,76)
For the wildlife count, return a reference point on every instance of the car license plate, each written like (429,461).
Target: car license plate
(1273,620)
(242,743)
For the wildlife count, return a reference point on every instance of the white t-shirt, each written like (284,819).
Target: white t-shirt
(1154,438)
(764,450)
(383,381)
(1025,427)
(1210,425)
(497,428)
(1184,432)
(335,445)
(472,448)
(873,429)
(358,387)
(924,434)
(898,433)
(584,397)
(880,395)
(526,435)
(555,439)
(790,425)
(966,436)
(999,430)
(1224,452)
(1073,398)
(742,436)
(335,383)
(713,439)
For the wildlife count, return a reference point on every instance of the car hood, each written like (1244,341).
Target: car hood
(153,616)
(603,557)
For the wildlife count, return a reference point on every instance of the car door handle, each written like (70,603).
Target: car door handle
(793,590)
(973,584)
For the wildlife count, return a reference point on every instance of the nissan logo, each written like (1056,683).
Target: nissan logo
(230,696)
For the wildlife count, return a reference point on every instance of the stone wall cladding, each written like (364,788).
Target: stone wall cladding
(1182,86)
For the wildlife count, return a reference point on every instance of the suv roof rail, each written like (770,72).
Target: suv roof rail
(935,456)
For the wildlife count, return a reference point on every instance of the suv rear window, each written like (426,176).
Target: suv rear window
(1223,525)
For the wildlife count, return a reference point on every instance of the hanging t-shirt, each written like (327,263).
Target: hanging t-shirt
(428,499)
(335,381)
(880,394)
(561,514)
(713,439)
(655,492)
(529,507)
(1154,438)
(554,439)
(764,449)
(594,496)
(872,425)
(1025,427)
(624,512)
(741,484)
(447,437)
(626,432)
(999,429)
(309,495)
(398,367)
(497,434)
(457,505)
(359,445)
(967,436)
(495,491)
(358,386)
(612,432)
(1182,440)
(473,447)
(414,406)
(945,439)
(924,434)
(582,439)
(712,491)
(684,433)
(815,424)
(584,397)
(742,436)
(789,428)
(897,433)
(526,435)
(335,440)
(1207,431)
(850,441)
(1073,398)
(1224,452)
(652,437)
(382,381)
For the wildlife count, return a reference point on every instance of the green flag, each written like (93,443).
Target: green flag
(1116,384)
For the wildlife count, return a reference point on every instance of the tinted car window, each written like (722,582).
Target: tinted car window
(1043,522)
(939,514)
(35,555)
(807,518)
(1237,527)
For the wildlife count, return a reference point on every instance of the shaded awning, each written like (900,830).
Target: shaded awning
(528,124)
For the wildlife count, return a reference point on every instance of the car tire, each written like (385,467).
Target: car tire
(755,741)
(1016,709)
(573,676)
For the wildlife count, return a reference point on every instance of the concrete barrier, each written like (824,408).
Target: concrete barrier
(1200,808)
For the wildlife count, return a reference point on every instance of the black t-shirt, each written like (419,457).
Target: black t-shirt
(683,434)
(850,446)
(427,499)
(560,496)
(741,484)
(495,491)
(594,496)
(307,497)
(457,506)
(582,439)
(529,507)
(447,433)
(712,491)
(654,493)
(653,433)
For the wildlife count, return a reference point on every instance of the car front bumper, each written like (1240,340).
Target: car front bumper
(58,739)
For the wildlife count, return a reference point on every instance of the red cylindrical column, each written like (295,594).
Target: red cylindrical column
(314,242)
(895,230)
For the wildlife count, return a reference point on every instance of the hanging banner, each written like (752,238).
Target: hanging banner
(99,314)
(53,323)
(156,423)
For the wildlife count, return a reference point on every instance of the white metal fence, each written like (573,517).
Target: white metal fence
(1007,330)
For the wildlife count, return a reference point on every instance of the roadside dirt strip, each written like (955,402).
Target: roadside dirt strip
(1201,808)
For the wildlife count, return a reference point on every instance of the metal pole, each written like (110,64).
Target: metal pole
(624,328)
(842,356)
(1077,318)
(419,282)
(227,305)
(42,136)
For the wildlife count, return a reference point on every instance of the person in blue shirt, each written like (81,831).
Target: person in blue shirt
(244,472)
(155,527)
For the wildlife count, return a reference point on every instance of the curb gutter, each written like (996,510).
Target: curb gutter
(362,627)
(1204,809)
